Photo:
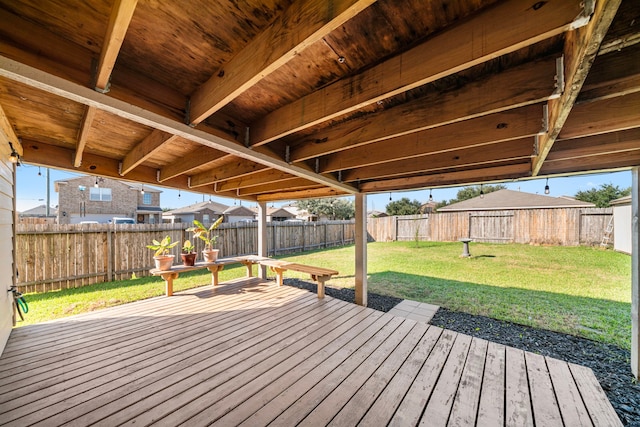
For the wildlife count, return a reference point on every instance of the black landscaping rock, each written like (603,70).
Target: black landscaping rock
(610,364)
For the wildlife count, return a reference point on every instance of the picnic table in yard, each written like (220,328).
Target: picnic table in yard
(318,274)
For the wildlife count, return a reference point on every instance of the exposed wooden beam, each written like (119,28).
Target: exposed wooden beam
(30,76)
(233,169)
(199,157)
(273,187)
(615,142)
(258,178)
(39,153)
(145,149)
(7,134)
(301,194)
(513,124)
(459,178)
(581,48)
(603,162)
(612,75)
(302,24)
(500,29)
(121,15)
(530,83)
(606,115)
(476,156)
(83,134)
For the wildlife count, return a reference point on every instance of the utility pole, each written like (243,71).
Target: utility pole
(47,212)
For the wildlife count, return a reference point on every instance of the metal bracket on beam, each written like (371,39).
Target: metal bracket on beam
(120,168)
(317,165)
(247,141)
(106,89)
(339,176)
(536,145)
(559,78)
(287,154)
(187,114)
(158,175)
(188,182)
(215,187)
(545,118)
(588,7)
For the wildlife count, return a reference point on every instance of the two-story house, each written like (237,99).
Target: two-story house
(88,198)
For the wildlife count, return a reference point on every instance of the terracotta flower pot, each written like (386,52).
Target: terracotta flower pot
(189,259)
(210,255)
(164,262)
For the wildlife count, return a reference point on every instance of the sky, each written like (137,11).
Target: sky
(31,188)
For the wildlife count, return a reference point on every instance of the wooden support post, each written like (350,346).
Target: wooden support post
(320,281)
(215,269)
(279,274)
(262,237)
(168,280)
(635,272)
(361,249)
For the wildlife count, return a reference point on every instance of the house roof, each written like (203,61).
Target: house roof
(277,212)
(105,182)
(239,211)
(217,208)
(40,210)
(626,200)
(281,100)
(509,199)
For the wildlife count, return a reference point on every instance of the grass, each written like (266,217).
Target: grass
(577,290)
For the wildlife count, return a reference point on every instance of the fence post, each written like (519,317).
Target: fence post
(110,260)
(325,236)
(304,237)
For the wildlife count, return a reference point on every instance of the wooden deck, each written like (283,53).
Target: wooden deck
(252,353)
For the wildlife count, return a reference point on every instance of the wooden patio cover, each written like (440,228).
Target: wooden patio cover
(279,99)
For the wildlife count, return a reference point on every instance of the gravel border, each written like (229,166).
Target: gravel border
(609,363)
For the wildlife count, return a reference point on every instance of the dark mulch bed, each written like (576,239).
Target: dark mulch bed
(609,363)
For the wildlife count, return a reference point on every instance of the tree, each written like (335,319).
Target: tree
(403,207)
(470,192)
(602,196)
(333,207)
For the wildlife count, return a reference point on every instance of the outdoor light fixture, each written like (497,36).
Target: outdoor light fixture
(39,173)
(14,157)
(178,194)
(390,197)
(546,187)
(481,192)
(96,184)
(430,196)
(142,189)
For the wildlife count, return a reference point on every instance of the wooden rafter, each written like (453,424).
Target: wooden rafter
(608,143)
(83,134)
(121,15)
(605,115)
(273,187)
(593,163)
(236,168)
(459,178)
(471,43)
(258,178)
(612,75)
(8,135)
(465,158)
(300,194)
(145,149)
(581,48)
(497,127)
(527,84)
(199,157)
(39,153)
(302,24)
(15,71)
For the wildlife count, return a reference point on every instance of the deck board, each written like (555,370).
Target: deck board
(251,352)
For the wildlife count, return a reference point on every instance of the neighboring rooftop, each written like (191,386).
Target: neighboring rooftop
(217,208)
(509,199)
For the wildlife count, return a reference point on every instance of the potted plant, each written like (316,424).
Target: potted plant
(162,258)
(210,239)
(188,255)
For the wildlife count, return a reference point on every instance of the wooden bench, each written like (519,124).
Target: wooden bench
(318,274)
(213,267)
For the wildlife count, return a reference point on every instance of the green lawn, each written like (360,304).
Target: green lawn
(578,290)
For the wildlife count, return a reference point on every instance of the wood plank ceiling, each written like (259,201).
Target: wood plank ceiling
(283,99)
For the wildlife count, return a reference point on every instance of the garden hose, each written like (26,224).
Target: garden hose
(23,305)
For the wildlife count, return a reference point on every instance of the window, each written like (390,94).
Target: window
(205,218)
(146,199)
(99,194)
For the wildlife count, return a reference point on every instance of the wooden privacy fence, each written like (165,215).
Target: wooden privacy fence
(566,227)
(50,257)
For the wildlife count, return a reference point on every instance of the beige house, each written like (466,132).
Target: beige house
(205,212)
(89,198)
